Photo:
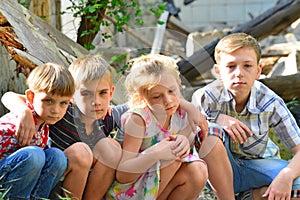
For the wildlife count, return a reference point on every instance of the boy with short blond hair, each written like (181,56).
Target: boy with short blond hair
(30,172)
(247,110)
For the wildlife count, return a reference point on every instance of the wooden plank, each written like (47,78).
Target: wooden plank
(287,87)
(39,38)
(177,25)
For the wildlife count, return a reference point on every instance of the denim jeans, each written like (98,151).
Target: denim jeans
(32,172)
(255,173)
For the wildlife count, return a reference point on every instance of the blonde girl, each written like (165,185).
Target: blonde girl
(156,137)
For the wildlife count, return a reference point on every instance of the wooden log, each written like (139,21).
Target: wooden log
(271,22)
(38,38)
(287,87)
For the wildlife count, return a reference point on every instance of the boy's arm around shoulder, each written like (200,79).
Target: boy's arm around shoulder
(25,126)
(195,116)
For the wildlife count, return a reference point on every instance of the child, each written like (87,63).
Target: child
(83,132)
(87,122)
(247,110)
(155,162)
(30,172)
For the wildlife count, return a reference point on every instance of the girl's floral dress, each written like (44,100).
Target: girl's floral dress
(147,185)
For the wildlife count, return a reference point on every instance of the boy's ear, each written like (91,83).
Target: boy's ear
(72,100)
(216,68)
(112,90)
(29,95)
(259,69)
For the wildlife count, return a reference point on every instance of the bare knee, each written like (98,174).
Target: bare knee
(108,152)
(79,156)
(197,173)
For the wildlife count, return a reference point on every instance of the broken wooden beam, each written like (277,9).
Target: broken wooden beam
(287,87)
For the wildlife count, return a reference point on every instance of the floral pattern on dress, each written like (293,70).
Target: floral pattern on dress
(147,185)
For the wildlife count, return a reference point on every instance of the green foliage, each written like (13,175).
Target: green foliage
(121,12)
(159,10)
(292,104)
(119,59)
(285,153)
(4,191)
(22,2)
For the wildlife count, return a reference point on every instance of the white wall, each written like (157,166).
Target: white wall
(69,24)
(231,12)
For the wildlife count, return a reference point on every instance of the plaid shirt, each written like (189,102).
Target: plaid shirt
(264,111)
(8,141)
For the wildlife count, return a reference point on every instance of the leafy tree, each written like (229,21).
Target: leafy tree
(95,13)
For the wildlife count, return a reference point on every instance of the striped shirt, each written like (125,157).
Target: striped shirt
(71,129)
(264,111)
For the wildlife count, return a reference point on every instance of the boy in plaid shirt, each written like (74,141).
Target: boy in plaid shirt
(247,110)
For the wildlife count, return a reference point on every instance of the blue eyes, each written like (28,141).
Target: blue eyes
(50,101)
(104,92)
(92,94)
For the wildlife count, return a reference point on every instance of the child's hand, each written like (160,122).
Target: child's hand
(194,115)
(236,129)
(25,128)
(198,120)
(165,150)
(181,146)
(109,110)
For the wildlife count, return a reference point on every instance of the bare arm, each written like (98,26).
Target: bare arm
(133,164)
(281,186)
(25,127)
(195,116)
(236,129)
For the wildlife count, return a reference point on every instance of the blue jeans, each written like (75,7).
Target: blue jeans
(255,173)
(32,172)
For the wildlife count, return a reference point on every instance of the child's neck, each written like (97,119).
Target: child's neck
(240,103)
(39,122)
(89,124)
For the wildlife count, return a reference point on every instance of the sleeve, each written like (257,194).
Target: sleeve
(199,100)
(117,112)
(119,115)
(285,124)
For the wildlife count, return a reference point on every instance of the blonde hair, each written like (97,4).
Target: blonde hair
(146,72)
(89,68)
(234,41)
(51,78)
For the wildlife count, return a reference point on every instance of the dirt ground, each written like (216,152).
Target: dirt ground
(207,195)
